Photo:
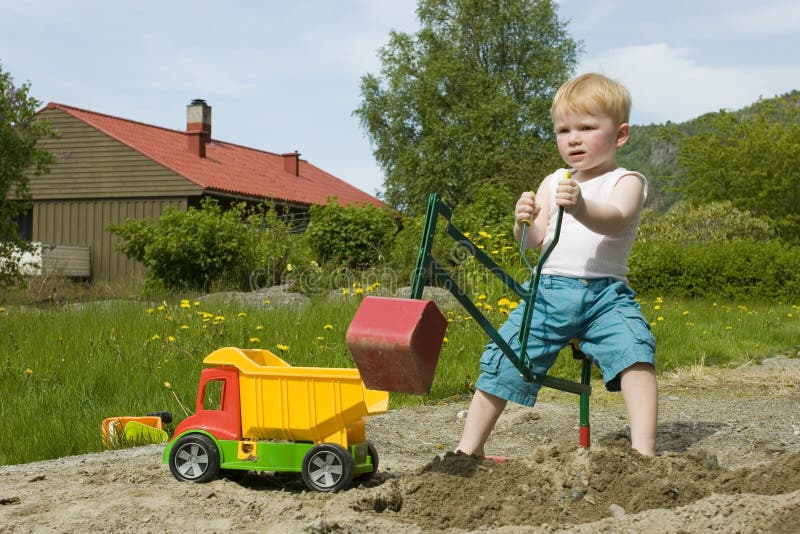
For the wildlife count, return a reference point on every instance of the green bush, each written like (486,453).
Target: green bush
(720,269)
(492,211)
(198,248)
(702,224)
(351,236)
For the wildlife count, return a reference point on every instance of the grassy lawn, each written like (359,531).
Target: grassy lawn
(63,369)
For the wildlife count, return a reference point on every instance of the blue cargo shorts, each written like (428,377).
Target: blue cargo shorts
(601,313)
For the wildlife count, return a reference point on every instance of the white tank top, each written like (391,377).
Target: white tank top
(580,252)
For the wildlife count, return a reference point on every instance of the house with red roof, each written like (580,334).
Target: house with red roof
(109,169)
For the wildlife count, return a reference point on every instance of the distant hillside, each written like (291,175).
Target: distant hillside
(653,149)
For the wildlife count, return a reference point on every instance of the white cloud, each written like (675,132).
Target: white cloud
(767,18)
(669,84)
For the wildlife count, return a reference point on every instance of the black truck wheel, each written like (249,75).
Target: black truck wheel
(328,467)
(194,458)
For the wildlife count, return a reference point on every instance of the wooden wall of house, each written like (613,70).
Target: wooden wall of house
(90,164)
(97,181)
(85,222)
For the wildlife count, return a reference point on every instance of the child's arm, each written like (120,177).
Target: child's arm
(605,218)
(535,210)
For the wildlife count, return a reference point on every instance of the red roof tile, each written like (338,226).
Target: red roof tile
(227,167)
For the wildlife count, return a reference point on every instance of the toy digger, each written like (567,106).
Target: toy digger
(396,342)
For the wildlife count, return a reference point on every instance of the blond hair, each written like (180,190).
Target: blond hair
(586,92)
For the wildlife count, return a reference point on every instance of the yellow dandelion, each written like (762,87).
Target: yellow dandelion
(184,327)
(320,338)
(485,234)
(467,234)
(28,371)
(689,324)
(259,327)
(481,297)
(289,267)
(660,318)
(171,339)
(162,308)
(266,302)
(150,311)
(219,318)
(282,347)
(241,314)
(196,303)
(2,310)
(445,340)
(660,300)
(345,291)
(167,385)
(728,328)
(155,337)
(685,312)
(328,327)
(254,340)
(513,305)
(359,291)
(789,315)
(487,307)
(503,302)
(185,304)
(656,307)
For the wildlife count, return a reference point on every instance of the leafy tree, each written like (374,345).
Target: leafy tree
(466,100)
(19,156)
(747,159)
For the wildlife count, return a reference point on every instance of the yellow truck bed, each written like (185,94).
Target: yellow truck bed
(281,402)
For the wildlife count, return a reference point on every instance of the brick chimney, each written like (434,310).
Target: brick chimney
(198,126)
(291,163)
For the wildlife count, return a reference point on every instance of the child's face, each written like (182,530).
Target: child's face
(588,141)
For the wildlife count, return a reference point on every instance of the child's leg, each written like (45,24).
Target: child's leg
(640,392)
(483,412)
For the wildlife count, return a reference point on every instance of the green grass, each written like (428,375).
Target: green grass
(64,369)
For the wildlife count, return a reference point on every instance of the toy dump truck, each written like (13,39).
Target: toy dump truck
(255,412)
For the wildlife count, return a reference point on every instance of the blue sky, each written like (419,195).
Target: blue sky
(284,76)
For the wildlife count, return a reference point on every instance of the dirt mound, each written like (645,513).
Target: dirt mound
(731,464)
(565,485)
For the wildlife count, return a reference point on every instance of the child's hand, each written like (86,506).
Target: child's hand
(568,195)
(527,209)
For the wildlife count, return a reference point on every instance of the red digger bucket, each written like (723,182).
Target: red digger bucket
(396,343)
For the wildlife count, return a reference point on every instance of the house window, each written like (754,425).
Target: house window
(25,225)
